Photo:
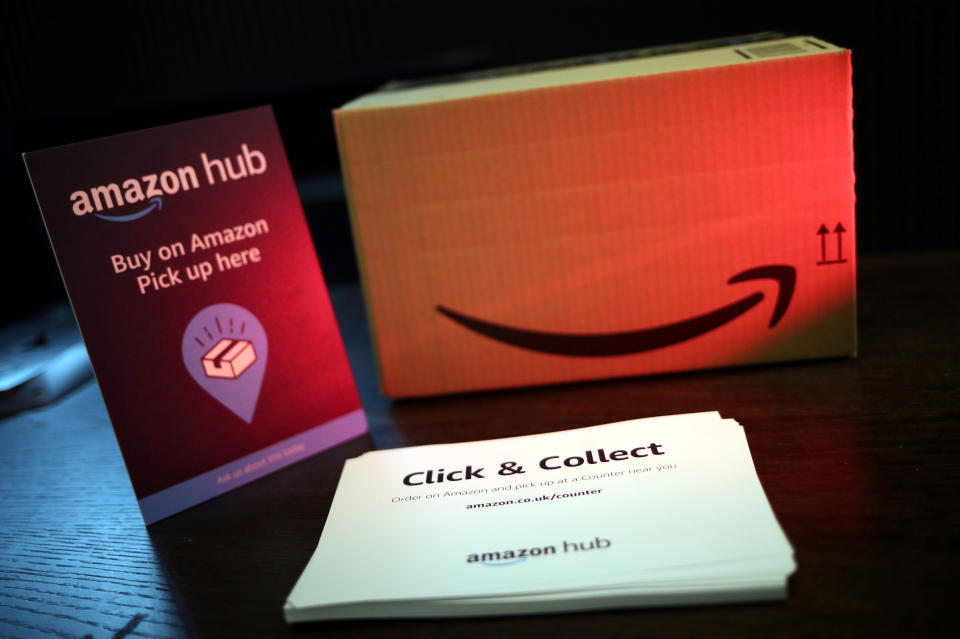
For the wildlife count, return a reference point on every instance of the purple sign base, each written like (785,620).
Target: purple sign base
(208,485)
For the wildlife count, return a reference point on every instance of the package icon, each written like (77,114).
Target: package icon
(229,358)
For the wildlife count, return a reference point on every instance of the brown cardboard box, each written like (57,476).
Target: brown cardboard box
(653,214)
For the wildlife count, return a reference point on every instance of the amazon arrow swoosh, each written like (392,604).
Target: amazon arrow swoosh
(156,203)
(639,341)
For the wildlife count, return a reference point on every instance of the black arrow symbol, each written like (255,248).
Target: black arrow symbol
(839,230)
(822,232)
(639,341)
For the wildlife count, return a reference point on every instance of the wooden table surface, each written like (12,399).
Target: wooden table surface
(859,458)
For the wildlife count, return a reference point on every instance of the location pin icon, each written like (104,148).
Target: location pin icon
(225,351)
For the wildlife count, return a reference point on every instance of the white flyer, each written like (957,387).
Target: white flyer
(644,512)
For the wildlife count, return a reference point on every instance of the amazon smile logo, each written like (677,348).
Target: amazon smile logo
(156,203)
(644,339)
(146,193)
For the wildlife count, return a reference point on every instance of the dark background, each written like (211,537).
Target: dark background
(70,72)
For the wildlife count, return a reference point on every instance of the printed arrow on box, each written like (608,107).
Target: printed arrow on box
(638,341)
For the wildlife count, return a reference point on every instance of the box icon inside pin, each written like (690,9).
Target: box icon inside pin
(229,358)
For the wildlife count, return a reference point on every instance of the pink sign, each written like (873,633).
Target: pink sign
(196,286)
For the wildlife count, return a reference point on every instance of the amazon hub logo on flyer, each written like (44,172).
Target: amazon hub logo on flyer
(136,197)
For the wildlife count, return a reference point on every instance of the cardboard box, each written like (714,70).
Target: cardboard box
(657,213)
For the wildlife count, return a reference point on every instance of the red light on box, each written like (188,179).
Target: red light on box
(653,214)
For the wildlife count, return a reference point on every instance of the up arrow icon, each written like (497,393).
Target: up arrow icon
(823,231)
(839,230)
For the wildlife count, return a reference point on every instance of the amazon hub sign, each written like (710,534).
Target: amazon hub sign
(656,213)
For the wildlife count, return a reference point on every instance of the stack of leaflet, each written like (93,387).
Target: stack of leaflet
(648,512)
